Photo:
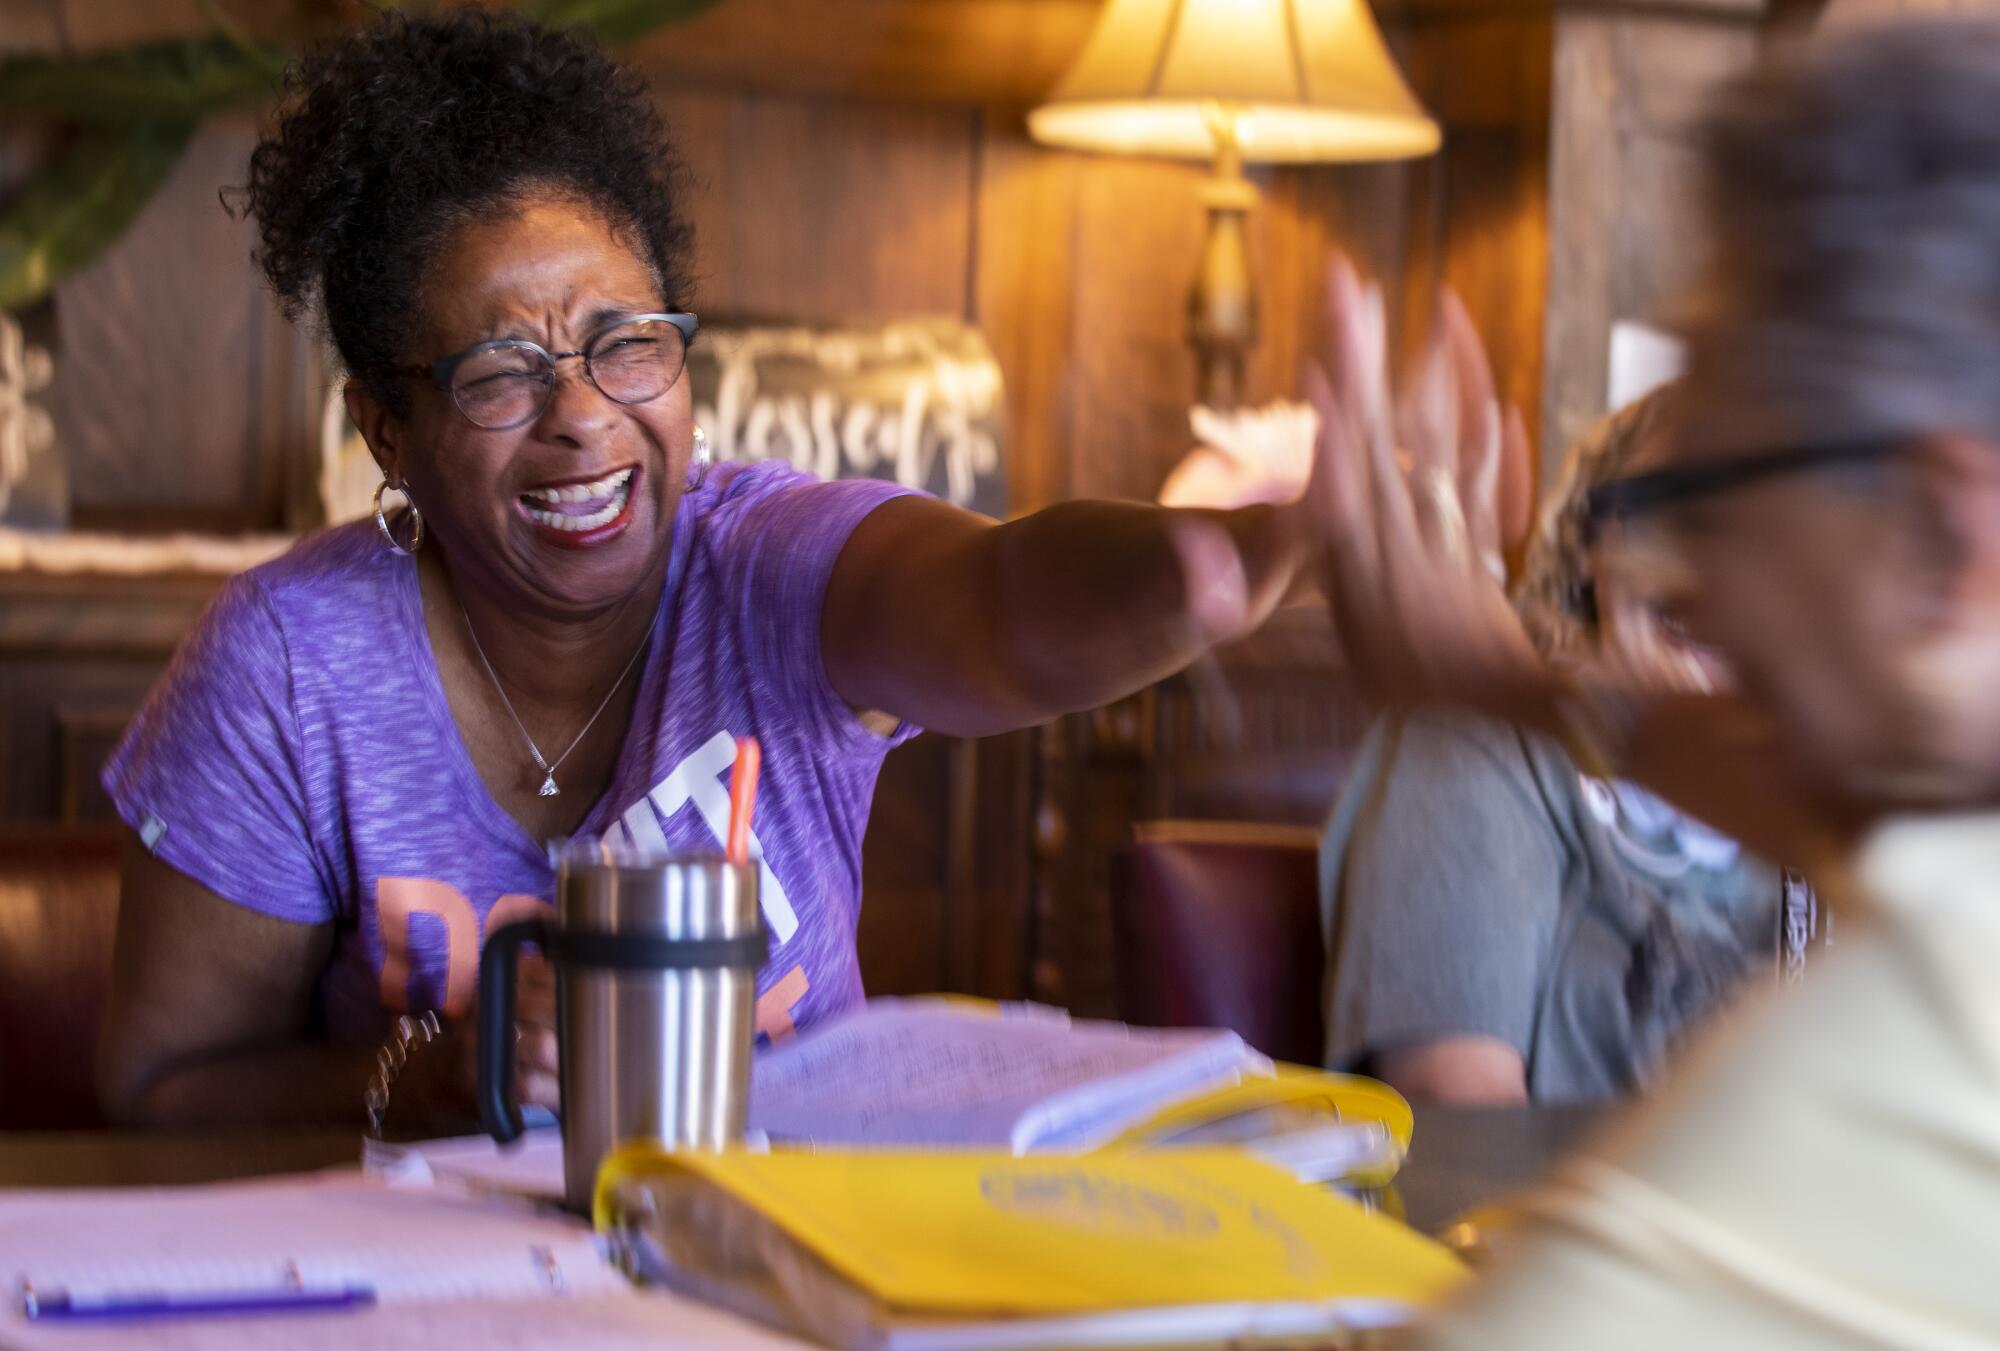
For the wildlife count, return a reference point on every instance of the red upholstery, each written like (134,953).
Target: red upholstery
(58,908)
(1218,926)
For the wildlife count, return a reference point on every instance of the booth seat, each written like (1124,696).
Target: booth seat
(58,911)
(1218,925)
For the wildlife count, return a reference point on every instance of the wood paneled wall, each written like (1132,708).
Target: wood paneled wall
(1625,237)
(1076,267)
(869,158)
(182,398)
(865,158)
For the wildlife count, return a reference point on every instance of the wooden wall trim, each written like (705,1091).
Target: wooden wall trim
(958,51)
(1008,53)
(1587,162)
(88,618)
(1624,225)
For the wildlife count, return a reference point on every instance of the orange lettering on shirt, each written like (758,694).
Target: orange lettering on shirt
(397,900)
(514,906)
(775,1005)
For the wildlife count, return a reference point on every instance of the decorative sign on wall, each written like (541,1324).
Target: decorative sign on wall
(32,482)
(917,402)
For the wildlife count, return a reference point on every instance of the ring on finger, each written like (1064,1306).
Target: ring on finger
(1441,493)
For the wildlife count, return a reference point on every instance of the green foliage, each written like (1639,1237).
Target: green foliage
(154,82)
(81,203)
(614,21)
(139,106)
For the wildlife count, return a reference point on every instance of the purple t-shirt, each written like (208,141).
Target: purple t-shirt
(298,756)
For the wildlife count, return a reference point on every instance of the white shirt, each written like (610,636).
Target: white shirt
(1823,1170)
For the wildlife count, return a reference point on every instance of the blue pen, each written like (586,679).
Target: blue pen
(66,1305)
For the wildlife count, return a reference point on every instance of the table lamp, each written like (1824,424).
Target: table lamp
(1265,81)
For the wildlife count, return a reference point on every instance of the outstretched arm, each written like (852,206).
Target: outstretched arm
(969,626)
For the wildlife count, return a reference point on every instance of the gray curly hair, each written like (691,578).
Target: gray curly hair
(1556,594)
(1855,202)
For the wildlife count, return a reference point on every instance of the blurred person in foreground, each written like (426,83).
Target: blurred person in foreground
(1504,927)
(1822,1171)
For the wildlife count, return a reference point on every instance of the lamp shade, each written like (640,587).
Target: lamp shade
(1300,80)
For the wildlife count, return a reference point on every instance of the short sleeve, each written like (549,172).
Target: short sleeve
(1446,897)
(211,773)
(775,539)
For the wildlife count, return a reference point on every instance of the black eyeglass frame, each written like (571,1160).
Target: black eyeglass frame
(1622,499)
(441,370)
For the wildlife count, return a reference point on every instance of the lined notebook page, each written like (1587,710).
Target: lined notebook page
(408,1243)
(922,1073)
(636,1321)
(451,1271)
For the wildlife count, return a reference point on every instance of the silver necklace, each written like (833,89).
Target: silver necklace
(548,788)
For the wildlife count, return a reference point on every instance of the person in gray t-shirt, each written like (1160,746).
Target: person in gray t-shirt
(1501,925)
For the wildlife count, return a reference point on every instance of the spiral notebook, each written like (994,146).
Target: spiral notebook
(911,1073)
(447,1271)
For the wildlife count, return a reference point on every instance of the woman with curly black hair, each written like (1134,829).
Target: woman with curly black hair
(346,777)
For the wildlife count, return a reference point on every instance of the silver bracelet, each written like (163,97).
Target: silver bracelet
(390,1059)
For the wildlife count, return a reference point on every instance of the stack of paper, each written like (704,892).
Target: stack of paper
(918,1072)
(934,1073)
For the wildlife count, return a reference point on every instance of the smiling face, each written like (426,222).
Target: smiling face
(569,514)
(1853,197)
(1860,611)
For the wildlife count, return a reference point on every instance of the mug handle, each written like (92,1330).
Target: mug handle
(499,1105)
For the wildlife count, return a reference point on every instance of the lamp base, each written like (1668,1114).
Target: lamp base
(1222,305)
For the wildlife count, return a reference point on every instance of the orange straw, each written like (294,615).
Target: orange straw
(743,797)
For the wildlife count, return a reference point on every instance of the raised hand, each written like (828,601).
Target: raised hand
(1421,616)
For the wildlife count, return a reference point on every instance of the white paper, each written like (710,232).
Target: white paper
(1295,1323)
(923,1073)
(405,1243)
(1329,1153)
(632,1321)
(1304,1139)
(914,1073)
(530,1167)
(449,1270)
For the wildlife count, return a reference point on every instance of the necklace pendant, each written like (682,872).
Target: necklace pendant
(548,788)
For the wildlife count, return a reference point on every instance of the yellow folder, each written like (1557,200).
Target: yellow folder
(988,1235)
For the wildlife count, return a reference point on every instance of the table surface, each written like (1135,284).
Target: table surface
(1461,1158)
(1458,1158)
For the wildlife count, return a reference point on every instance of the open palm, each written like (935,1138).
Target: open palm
(1410,531)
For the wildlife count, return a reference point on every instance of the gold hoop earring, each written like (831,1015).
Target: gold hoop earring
(698,462)
(382,522)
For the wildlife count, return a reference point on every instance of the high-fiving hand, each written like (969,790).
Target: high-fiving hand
(1410,532)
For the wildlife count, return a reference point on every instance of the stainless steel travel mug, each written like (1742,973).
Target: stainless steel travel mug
(656,961)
